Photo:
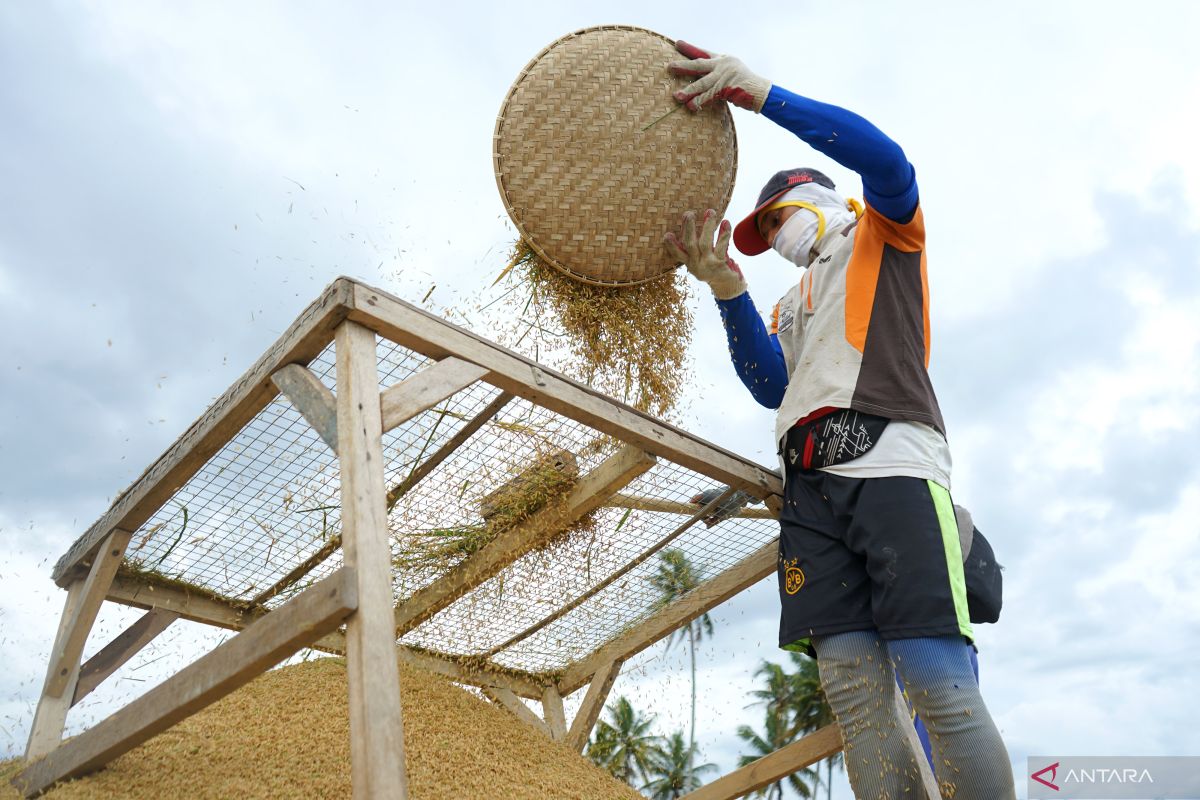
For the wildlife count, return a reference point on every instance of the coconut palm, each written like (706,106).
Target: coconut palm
(675,577)
(779,696)
(623,744)
(675,773)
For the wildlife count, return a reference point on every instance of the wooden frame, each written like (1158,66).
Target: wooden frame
(773,767)
(351,420)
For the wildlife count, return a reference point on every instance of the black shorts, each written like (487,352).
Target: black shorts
(868,553)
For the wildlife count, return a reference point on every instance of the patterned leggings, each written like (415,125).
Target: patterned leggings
(857,675)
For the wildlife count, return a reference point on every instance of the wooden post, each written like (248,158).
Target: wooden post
(51,715)
(65,660)
(593,703)
(377,767)
(552,710)
(511,703)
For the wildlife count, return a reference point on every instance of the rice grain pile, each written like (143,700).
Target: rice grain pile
(286,734)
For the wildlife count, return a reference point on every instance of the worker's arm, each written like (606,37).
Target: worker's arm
(889,181)
(757,355)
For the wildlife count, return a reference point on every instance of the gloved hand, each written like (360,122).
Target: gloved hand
(706,261)
(721,78)
(727,508)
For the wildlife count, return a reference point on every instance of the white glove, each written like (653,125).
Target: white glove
(706,261)
(721,78)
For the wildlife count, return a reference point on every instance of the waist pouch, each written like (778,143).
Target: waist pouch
(985,584)
(833,438)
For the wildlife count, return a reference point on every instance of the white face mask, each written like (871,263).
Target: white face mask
(797,236)
(824,211)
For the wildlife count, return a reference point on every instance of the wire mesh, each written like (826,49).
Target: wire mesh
(268,503)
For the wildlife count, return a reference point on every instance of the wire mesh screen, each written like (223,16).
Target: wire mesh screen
(261,521)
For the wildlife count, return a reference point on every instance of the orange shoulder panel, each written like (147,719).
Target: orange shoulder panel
(908,237)
(862,273)
(775,319)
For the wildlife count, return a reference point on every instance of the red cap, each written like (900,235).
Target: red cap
(746,237)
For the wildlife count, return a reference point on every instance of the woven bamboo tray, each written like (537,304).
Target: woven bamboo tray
(591,166)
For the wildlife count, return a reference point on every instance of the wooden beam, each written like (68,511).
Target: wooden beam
(593,704)
(774,767)
(639,503)
(434,337)
(65,659)
(377,768)
(453,443)
(426,389)
(311,398)
(230,616)
(302,342)
(303,568)
(511,703)
(127,644)
(710,594)
(615,576)
(51,715)
(588,494)
(904,717)
(481,674)
(232,664)
(556,717)
(195,606)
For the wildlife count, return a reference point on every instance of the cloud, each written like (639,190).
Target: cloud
(182,186)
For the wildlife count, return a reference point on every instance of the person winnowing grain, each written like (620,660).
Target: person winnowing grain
(870,566)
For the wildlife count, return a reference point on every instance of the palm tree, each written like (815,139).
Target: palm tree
(623,744)
(779,695)
(676,576)
(674,773)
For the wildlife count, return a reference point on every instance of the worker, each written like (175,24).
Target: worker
(870,566)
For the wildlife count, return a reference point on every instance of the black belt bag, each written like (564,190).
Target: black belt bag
(835,438)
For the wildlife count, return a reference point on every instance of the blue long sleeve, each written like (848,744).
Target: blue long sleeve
(889,181)
(757,355)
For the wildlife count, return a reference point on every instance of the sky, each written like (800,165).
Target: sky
(177,181)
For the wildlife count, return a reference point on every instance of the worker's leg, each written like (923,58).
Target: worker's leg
(860,686)
(918,725)
(970,758)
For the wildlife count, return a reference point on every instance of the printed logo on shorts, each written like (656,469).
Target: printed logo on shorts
(793,577)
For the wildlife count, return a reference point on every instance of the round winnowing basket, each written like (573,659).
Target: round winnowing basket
(594,162)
